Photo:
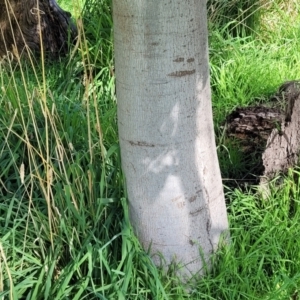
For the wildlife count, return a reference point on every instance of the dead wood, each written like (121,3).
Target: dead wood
(283,145)
(272,131)
(24,24)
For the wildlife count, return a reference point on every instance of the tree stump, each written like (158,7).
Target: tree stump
(34,25)
(272,130)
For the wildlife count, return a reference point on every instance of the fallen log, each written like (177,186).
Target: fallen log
(34,26)
(273,131)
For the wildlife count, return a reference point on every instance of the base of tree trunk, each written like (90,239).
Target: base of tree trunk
(272,132)
(34,26)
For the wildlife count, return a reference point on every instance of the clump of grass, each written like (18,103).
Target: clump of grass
(277,19)
(240,18)
(262,261)
(245,71)
(251,17)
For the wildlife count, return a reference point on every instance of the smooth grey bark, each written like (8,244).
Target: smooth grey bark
(168,150)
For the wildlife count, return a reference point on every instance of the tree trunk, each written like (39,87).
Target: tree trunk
(25,23)
(168,150)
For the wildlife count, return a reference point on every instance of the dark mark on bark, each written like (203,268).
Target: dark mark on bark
(190,60)
(208,228)
(192,199)
(140,143)
(179,59)
(182,73)
(192,243)
(196,212)
(176,198)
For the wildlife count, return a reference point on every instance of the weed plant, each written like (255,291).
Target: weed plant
(64,228)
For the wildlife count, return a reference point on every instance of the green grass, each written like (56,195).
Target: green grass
(64,228)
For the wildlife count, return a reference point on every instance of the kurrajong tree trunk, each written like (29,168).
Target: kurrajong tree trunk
(25,23)
(168,149)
